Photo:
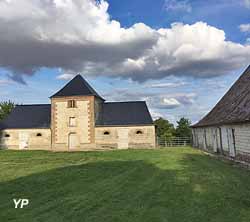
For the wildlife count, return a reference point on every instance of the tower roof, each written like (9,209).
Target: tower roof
(234,107)
(78,86)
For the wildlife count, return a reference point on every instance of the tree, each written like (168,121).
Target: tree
(183,128)
(5,108)
(164,129)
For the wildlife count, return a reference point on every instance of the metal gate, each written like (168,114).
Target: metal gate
(173,142)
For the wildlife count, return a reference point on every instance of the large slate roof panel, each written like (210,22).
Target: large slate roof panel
(234,107)
(28,116)
(125,113)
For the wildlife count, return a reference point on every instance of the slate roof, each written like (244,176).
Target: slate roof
(28,116)
(78,86)
(234,107)
(124,113)
(112,114)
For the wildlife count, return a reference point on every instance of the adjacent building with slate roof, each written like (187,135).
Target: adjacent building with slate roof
(78,118)
(226,129)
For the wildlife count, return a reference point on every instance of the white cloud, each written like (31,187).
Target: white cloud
(245,27)
(171,106)
(175,5)
(246,3)
(65,76)
(79,36)
(170,102)
(156,100)
(166,85)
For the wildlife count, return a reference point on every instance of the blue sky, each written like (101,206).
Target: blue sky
(126,61)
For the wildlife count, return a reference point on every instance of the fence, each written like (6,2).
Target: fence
(173,142)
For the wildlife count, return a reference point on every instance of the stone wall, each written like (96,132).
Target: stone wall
(98,109)
(125,137)
(34,142)
(118,138)
(84,115)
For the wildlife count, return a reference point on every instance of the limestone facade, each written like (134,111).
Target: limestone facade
(88,136)
(75,120)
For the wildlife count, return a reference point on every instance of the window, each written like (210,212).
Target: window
(7,135)
(38,134)
(72,121)
(138,132)
(106,133)
(71,104)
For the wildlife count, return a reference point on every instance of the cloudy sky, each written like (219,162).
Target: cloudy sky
(180,56)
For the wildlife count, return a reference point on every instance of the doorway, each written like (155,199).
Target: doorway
(23,140)
(231,142)
(123,139)
(73,141)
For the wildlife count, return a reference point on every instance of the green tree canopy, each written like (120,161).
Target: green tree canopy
(164,129)
(5,108)
(183,128)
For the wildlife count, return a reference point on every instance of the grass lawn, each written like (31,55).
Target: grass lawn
(180,184)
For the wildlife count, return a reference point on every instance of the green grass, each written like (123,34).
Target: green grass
(123,186)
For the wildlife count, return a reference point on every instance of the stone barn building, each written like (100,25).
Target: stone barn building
(226,129)
(78,119)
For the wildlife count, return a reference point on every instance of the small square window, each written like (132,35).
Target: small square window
(72,121)
(71,104)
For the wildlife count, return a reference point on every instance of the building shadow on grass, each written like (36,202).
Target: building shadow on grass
(128,191)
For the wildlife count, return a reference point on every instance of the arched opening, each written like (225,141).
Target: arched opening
(106,133)
(38,134)
(6,135)
(139,132)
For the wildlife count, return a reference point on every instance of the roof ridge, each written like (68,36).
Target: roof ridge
(47,104)
(77,86)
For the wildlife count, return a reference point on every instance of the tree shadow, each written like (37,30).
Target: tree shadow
(130,191)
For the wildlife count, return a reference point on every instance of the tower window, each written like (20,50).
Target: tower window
(71,104)
(139,132)
(7,135)
(38,134)
(72,121)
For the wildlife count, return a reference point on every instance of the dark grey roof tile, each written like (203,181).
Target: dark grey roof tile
(125,113)
(78,86)
(28,116)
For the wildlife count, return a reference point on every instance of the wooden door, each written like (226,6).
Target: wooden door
(231,142)
(224,139)
(219,140)
(122,138)
(215,141)
(23,140)
(73,141)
